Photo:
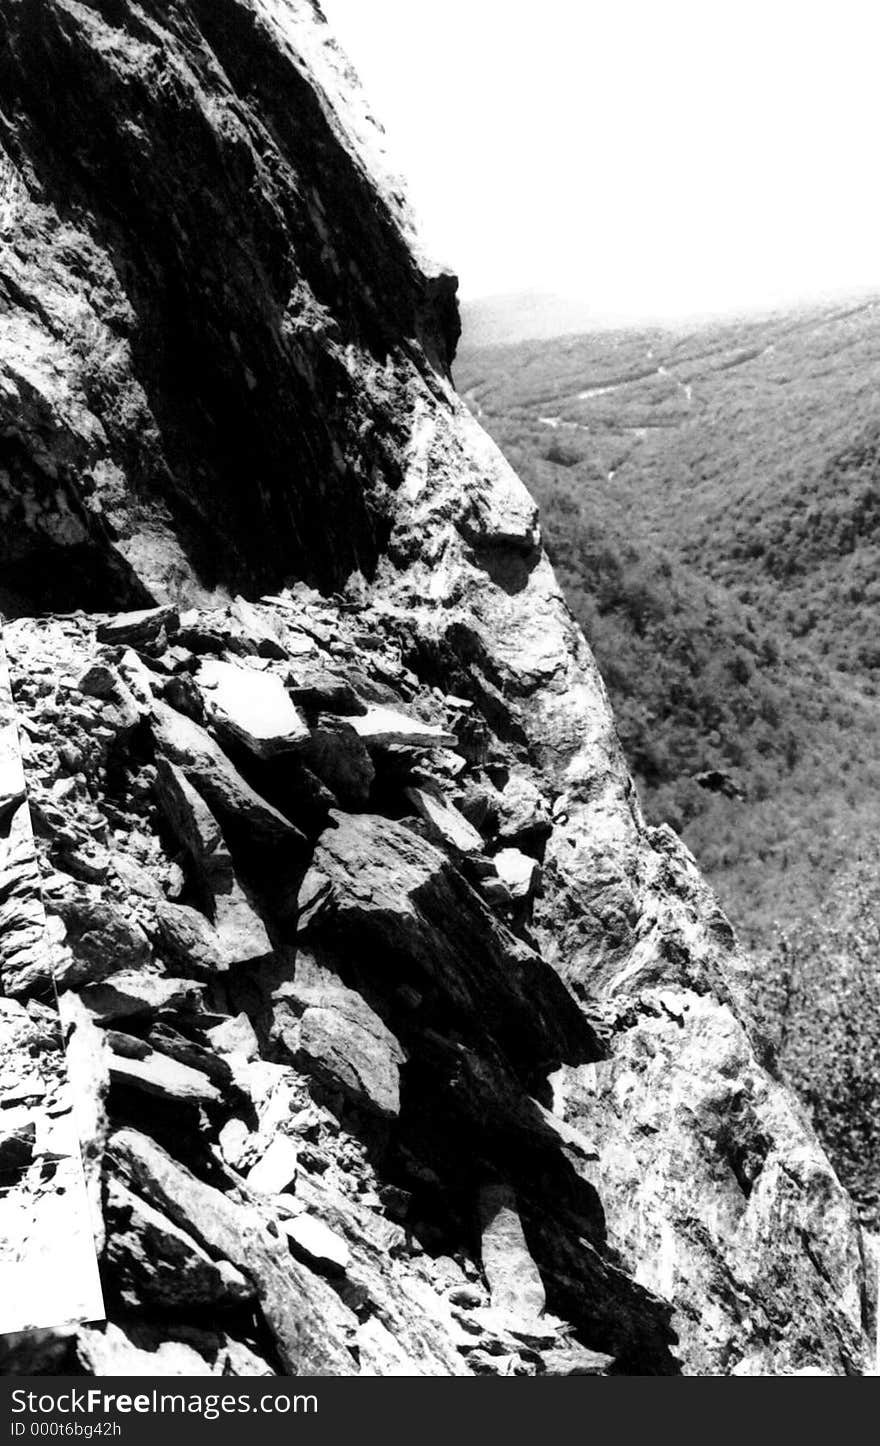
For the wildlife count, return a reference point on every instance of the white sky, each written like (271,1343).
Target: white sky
(655,157)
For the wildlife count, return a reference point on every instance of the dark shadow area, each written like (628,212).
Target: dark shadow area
(510,568)
(441,1155)
(56,555)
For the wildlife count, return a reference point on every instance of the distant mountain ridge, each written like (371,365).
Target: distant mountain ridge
(508,318)
(518,316)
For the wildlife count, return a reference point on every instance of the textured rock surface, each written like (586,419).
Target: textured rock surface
(48,1270)
(465,964)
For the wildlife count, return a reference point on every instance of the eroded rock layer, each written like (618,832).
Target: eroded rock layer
(407,1047)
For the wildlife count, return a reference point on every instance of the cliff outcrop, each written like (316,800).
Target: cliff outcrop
(406,1046)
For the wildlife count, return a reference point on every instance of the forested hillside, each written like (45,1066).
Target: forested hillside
(711,501)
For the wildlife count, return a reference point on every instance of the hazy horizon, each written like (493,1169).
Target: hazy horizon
(661,163)
(580,318)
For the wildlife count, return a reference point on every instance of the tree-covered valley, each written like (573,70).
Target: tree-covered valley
(711,501)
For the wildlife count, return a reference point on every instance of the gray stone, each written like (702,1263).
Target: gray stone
(515,1283)
(446,825)
(575,1360)
(189,939)
(204,764)
(154,1260)
(240,932)
(108,1350)
(394,903)
(518,873)
(338,757)
(276,1170)
(127,995)
(235,1036)
(100,680)
(253,707)
(343,1041)
(385,727)
(323,692)
(102,939)
(522,809)
(316,1244)
(138,627)
(157,1074)
(305,1318)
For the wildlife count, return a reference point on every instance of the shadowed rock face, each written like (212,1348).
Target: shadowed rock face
(208,283)
(406,1044)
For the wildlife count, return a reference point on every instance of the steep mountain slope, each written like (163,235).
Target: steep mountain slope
(409,1046)
(708,500)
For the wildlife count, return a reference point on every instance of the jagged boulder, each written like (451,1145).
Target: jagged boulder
(157,1261)
(382,897)
(253,707)
(304,1318)
(335,1035)
(240,934)
(182,742)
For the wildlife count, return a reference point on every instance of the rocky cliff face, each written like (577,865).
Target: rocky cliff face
(406,1046)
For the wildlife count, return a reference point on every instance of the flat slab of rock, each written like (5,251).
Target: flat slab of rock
(341,1037)
(576,1360)
(316,1244)
(128,994)
(254,707)
(156,1074)
(189,939)
(395,903)
(385,727)
(189,816)
(340,759)
(138,627)
(445,823)
(241,932)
